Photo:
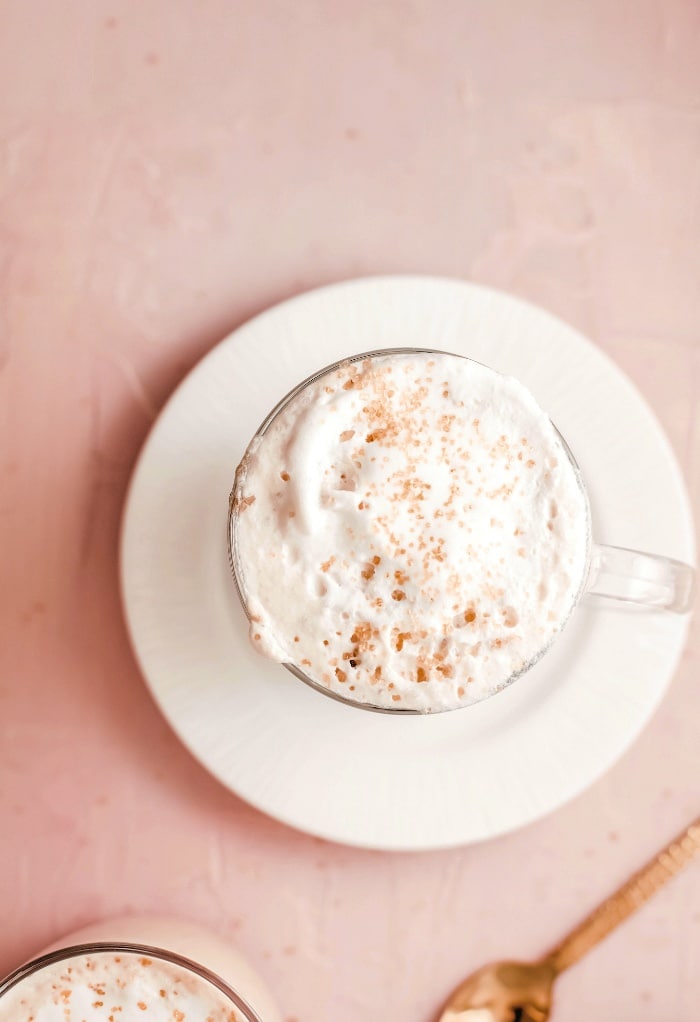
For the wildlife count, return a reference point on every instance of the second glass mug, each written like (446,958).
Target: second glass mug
(239,1009)
(618,573)
(185,948)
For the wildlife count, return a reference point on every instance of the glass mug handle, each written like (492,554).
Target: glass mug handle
(635,577)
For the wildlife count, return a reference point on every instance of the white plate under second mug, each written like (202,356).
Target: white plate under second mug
(329,769)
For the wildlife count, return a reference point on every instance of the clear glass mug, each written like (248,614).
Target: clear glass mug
(617,573)
(144,936)
(25,972)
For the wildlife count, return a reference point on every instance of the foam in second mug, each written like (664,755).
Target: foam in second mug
(410,531)
(102,986)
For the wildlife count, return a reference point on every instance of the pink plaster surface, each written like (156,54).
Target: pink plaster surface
(166,170)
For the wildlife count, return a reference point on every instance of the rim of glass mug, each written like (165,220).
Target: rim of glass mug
(143,950)
(616,573)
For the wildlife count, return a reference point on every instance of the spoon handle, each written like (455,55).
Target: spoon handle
(631,896)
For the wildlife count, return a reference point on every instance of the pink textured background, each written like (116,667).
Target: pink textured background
(168,168)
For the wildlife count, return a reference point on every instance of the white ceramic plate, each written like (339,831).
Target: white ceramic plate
(347,774)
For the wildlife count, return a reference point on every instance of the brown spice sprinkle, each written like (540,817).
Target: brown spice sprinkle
(436,553)
(510,617)
(470,615)
(340,675)
(327,564)
(284,476)
(377,434)
(398,595)
(400,639)
(346,435)
(241,503)
(362,635)
(368,571)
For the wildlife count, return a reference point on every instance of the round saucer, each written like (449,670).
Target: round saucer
(330,769)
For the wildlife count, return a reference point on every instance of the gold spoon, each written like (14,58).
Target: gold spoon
(522,991)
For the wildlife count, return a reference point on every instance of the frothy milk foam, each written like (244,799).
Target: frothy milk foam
(410,530)
(103,986)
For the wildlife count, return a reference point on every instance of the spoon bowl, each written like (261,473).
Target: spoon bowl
(503,992)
